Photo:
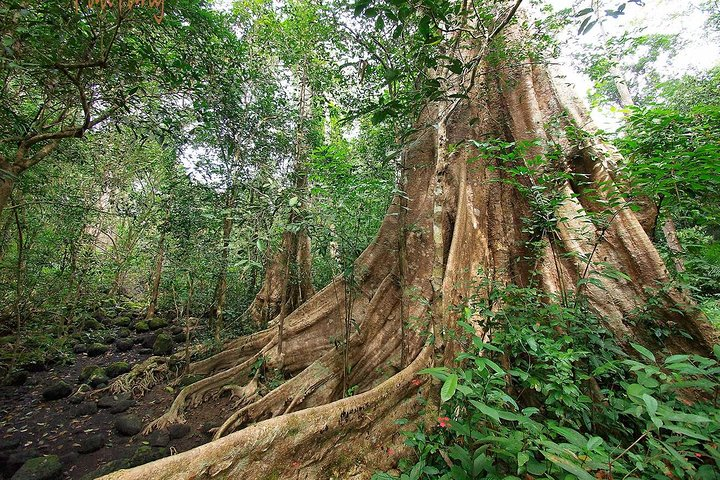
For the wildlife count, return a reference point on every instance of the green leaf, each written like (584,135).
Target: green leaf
(440,373)
(487,410)
(584,12)
(568,466)
(587,26)
(685,431)
(456,67)
(572,436)
(582,25)
(536,468)
(650,403)
(593,443)
(643,351)
(491,364)
(676,359)
(448,389)
(635,390)
(424,26)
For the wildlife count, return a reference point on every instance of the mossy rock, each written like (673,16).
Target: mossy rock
(98,379)
(57,390)
(122,321)
(92,443)
(40,468)
(117,368)
(146,454)
(142,326)
(124,332)
(34,366)
(163,345)
(93,375)
(91,324)
(128,425)
(124,345)
(157,322)
(16,378)
(97,349)
(180,337)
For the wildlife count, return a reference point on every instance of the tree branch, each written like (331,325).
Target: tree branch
(505,22)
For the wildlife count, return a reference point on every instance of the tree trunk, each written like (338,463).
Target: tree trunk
(289,273)
(467,217)
(221,286)
(6,188)
(674,245)
(4,234)
(293,282)
(157,275)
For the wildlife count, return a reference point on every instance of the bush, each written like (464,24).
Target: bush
(572,404)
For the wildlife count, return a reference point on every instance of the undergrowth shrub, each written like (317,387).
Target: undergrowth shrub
(569,403)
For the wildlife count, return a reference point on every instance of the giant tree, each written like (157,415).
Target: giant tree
(498,140)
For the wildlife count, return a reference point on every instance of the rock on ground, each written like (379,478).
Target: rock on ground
(178,430)
(57,391)
(128,425)
(117,368)
(163,345)
(40,468)
(84,409)
(92,443)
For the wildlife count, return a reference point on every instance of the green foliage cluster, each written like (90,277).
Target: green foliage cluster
(195,159)
(568,402)
(672,152)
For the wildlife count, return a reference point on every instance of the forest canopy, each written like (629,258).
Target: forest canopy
(360,239)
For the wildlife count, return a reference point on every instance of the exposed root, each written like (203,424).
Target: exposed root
(233,353)
(287,396)
(194,394)
(279,447)
(143,377)
(244,395)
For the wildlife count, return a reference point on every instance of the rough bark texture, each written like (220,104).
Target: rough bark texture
(221,285)
(6,188)
(461,218)
(287,274)
(673,243)
(157,276)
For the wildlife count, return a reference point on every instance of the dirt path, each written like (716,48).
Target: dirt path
(83,434)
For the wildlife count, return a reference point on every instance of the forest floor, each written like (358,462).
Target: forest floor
(91,431)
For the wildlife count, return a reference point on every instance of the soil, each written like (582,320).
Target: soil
(33,426)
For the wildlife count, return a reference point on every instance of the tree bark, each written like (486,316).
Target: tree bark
(157,276)
(467,217)
(674,245)
(289,273)
(221,286)
(6,188)
(294,283)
